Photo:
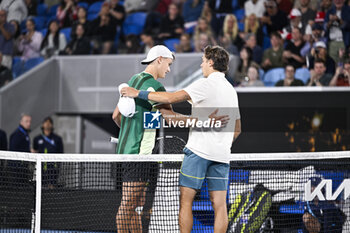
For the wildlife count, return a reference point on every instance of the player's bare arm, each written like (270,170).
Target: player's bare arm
(237,129)
(161,97)
(117,116)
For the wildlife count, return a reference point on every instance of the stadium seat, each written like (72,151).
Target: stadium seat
(95,8)
(16,67)
(66,32)
(170,43)
(43,31)
(40,22)
(235,5)
(134,23)
(53,10)
(239,13)
(240,26)
(92,16)
(266,42)
(261,74)
(272,76)
(41,9)
(303,74)
(31,63)
(84,5)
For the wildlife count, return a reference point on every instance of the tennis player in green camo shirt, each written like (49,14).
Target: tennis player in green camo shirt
(134,139)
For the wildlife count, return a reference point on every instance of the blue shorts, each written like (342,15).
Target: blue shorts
(195,169)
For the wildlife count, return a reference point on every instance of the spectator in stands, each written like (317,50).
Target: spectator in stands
(3,140)
(54,41)
(342,75)
(148,42)
(291,54)
(19,139)
(79,45)
(307,13)
(48,142)
(102,34)
(320,52)
(319,77)
(6,39)
(203,27)
(30,42)
(17,10)
(207,13)
(191,11)
(252,44)
(219,9)
(255,7)
(172,25)
(31,7)
(316,36)
(252,79)
(202,42)
(289,79)
(338,28)
(322,216)
(252,25)
(273,56)
(274,19)
(16,37)
(230,29)
(325,5)
(226,43)
(5,74)
(318,20)
(295,21)
(67,13)
(117,13)
(246,60)
(185,45)
(80,20)
(132,44)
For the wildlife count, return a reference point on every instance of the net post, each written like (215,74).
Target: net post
(38,195)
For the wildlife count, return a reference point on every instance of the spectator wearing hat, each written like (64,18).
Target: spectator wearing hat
(319,77)
(291,54)
(320,52)
(273,56)
(289,79)
(255,7)
(295,21)
(321,216)
(338,27)
(316,36)
(319,19)
(274,19)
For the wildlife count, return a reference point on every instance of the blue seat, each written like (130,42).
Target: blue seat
(40,22)
(235,5)
(240,26)
(84,5)
(41,9)
(261,74)
(92,16)
(239,13)
(32,62)
(95,8)
(266,42)
(43,31)
(170,43)
(272,76)
(134,23)
(16,67)
(53,10)
(303,74)
(66,32)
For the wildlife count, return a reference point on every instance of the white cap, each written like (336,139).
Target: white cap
(157,51)
(294,13)
(320,44)
(126,105)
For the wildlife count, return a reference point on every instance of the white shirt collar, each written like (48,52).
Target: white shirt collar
(216,74)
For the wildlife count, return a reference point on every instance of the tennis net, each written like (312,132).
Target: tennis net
(83,192)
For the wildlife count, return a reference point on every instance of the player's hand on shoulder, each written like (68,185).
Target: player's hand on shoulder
(130,92)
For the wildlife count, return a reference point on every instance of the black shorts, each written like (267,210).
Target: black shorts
(140,171)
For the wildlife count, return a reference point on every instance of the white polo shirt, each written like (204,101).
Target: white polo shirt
(208,94)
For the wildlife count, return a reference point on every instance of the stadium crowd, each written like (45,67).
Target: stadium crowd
(279,42)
